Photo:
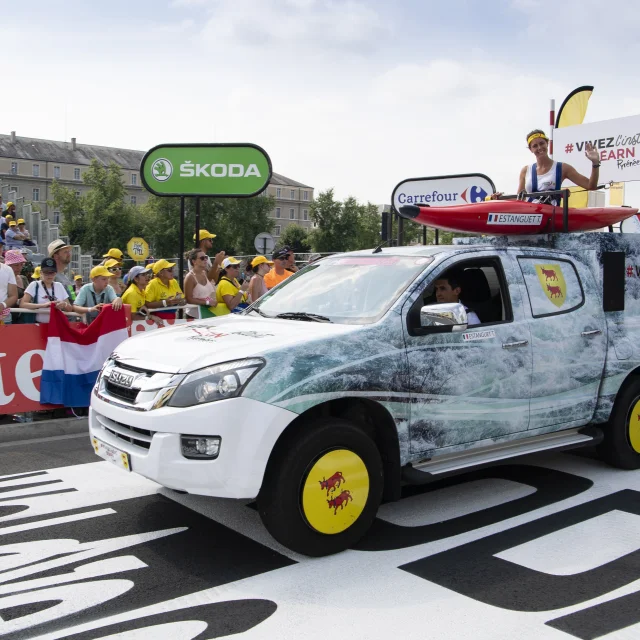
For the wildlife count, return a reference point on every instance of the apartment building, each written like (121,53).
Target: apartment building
(292,203)
(28,166)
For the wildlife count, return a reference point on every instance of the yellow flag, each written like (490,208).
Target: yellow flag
(572,112)
(616,194)
(574,107)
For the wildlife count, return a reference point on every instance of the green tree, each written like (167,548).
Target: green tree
(235,221)
(296,237)
(343,226)
(100,219)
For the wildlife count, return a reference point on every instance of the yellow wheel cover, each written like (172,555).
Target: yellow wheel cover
(634,427)
(335,492)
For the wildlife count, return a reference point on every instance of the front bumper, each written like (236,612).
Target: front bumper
(248,430)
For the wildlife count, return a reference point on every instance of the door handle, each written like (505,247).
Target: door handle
(511,345)
(595,332)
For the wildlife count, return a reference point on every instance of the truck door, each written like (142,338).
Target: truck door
(568,337)
(472,385)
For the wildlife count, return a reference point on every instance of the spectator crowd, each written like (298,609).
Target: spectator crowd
(213,286)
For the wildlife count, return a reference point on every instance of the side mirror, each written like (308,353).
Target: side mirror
(448,314)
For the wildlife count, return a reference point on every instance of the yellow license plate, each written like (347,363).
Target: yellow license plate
(107,452)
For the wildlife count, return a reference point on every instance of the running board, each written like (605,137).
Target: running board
(424,471)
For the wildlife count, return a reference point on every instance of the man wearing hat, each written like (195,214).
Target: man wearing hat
(12,237)
(163,290)
(61,254)
(93,296)
(205,243)
(279,272)
(11,210)
(230,294)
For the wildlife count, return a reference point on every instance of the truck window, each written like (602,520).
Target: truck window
(482,290)
(553,285)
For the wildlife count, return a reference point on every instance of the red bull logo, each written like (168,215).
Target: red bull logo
(549,274)
(340,501)
(554,291)
(333,482)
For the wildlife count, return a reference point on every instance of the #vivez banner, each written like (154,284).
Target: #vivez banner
(617,142)
(443,191)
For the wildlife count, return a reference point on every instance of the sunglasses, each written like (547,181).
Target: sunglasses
(114,269)
(201,258)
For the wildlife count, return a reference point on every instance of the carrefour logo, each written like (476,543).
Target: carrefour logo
(474,194)
(161,169)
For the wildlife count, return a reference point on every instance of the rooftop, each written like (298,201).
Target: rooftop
(40,150)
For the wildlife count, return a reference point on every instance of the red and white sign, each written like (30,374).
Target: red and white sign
(617,141)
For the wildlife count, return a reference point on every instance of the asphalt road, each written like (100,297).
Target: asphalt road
(545,548)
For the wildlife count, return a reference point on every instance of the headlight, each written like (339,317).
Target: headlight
(215,383)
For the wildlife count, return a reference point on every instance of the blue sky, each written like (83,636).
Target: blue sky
(347,94)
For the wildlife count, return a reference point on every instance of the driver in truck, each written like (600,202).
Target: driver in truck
(448,289)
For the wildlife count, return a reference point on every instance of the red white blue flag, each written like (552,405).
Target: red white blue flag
(74,356)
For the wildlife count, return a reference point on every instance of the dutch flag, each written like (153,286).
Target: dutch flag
(74,356)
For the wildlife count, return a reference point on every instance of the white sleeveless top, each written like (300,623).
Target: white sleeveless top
(546,182)
(201,291)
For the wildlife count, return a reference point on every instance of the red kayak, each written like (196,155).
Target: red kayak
(513,217)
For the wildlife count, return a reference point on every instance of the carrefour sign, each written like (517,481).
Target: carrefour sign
(224,170)
(443,191)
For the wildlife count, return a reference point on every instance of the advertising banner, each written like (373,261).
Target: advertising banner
(223,170)
(617,142)
(443,191)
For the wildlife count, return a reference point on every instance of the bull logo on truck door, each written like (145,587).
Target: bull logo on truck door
(552,282)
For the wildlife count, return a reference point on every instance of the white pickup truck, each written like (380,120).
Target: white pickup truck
(349,380)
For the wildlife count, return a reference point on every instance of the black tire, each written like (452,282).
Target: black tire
(280,499)
(616,447)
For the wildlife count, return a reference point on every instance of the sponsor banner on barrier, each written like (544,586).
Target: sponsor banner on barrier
(21,360)
(443,191)
(616,141)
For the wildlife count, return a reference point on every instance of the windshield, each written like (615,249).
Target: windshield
(345,290)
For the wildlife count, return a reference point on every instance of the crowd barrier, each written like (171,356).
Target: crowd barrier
(22,348)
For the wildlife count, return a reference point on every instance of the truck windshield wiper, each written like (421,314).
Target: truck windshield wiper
(262,313)
(302,315)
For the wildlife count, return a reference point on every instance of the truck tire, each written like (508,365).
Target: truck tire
(621,444)
(322,490)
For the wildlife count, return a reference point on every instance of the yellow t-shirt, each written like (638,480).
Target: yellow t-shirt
(156,290)
(272,278)
(134,297)
(226,288)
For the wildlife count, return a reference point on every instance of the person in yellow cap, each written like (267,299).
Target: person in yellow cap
(95,295)
(163,290)
(230,294)
(77,282)
(12,237)
(116,254)
(260,266)
(205,243)
(22,230)
(134,296)
(115,280)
